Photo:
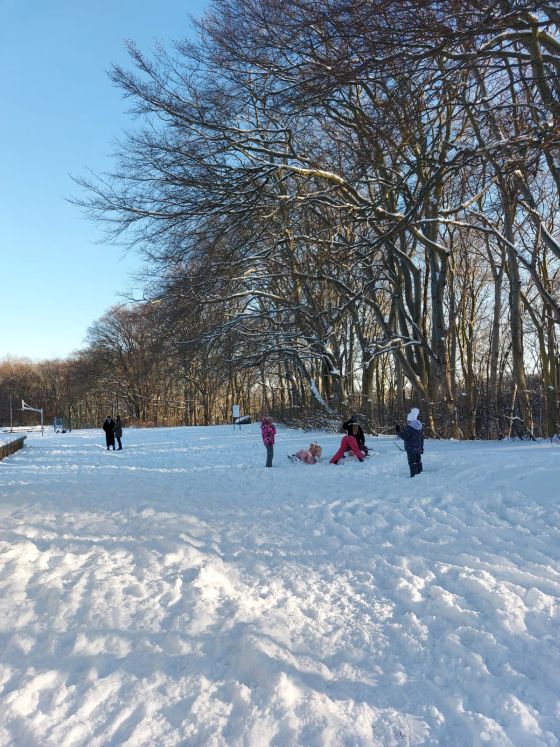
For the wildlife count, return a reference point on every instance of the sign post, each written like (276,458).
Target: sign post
(35,409)
(236,413)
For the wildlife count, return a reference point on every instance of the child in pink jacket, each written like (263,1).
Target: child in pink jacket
(308,456)
(268,431)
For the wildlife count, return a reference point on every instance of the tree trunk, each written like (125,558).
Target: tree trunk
(516,319)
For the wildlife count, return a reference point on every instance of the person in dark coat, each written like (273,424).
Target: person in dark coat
(413,437)
(108,427)
(348,443)
(353,428)
(117,430)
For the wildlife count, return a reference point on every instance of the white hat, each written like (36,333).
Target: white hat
(413,414)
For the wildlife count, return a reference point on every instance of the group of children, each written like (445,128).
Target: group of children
(354,442)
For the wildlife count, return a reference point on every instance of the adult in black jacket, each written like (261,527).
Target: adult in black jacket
(108,427)
(413,437)
(117,430)
(353,428)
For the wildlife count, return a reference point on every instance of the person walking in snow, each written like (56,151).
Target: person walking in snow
(268,431)
(413,437)
(117,430)
(108,427)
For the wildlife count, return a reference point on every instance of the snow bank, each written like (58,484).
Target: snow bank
(180,593)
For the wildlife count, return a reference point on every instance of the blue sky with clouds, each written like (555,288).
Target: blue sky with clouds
(60,117)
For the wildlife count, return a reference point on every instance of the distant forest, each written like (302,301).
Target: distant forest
(343,207)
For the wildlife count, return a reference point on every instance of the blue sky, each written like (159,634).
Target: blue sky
(60,117)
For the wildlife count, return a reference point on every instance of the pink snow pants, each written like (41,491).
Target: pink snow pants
(348,442)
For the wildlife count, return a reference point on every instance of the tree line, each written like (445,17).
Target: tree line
(344,206)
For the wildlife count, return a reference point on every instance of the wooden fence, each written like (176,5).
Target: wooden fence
(13,446)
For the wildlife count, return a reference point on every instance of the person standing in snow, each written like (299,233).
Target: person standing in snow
(108,427)
(268,431)
(117,430)
(413,437)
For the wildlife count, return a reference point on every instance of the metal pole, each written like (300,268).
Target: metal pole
(34,409)
(11,417)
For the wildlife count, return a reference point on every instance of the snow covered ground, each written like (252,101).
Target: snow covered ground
(179,593)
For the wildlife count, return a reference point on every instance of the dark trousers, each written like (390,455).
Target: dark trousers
(414,462)
(119,441)
(110,439)
(269,455)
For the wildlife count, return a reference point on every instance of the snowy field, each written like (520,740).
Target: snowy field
(179,593)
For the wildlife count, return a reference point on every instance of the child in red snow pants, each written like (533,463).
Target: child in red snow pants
(348,442)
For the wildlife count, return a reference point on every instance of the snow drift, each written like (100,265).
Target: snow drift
(179,593)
